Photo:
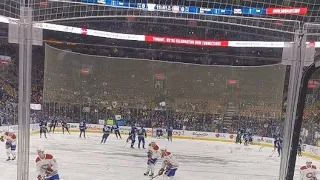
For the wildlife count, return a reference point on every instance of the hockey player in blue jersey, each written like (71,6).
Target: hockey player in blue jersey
(83,127)
(159,133)
(276,138)
(132,136)
(106,132)
(43,128)
(279,146)
(142,134)
(169,132)
(116,130)
(53,125)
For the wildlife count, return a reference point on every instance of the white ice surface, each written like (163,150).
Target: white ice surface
(87,159)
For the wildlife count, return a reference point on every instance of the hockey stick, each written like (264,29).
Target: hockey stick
(260,148)
(127,141)
(126,144)
(154,176)
(50,136)
(272,153)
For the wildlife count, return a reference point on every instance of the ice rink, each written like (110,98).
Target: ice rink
(87,159)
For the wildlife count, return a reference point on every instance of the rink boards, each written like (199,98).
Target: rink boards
(308,150)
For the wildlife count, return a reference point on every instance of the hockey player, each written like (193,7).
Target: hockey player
(142,134)
(300,148)
(82,128)
(47,166)
(106,132)
(239,135)
(246,138)
(132,136)
(279,146)
(53,125)
(159,133)
(275,140)
(250,137)
(153,155)
(169,165)
(309,171)
(43,128)
(116,130)
(11,144)
(64,127)
(169,132)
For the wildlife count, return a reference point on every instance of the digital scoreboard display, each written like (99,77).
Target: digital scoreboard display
(200,10)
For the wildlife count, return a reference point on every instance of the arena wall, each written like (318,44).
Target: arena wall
(308,150)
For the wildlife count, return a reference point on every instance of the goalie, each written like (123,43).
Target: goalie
(11,144)
(169,165)
(47,166)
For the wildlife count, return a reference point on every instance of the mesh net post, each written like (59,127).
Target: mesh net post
(25,63)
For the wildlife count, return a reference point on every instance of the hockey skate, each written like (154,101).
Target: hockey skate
(146,173)
(14,158)
(9,159)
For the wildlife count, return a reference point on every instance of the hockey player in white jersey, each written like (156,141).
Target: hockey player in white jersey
(309,171)
(153,156)
(47,166)
(169,165)
(11,144)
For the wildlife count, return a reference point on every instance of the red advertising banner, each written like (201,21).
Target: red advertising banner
(182,41)
(299,11)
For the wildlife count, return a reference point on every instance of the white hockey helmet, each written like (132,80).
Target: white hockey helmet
(40,149)
(10,130)
(163,149)
(309,160)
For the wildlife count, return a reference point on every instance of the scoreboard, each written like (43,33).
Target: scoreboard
(200,10)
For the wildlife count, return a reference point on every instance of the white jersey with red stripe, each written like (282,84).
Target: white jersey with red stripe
(154,151)
(308,173)
(11,138)
(47,166)
(169,161)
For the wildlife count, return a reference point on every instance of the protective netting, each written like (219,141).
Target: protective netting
(64,10)
(286,16)
(92,80)
(310,132)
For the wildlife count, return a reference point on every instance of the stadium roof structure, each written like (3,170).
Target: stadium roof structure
(282,15)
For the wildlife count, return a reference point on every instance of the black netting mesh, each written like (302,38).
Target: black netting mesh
(83,79)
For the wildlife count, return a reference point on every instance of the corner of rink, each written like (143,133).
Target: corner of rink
(201,159)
